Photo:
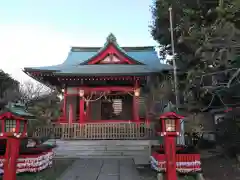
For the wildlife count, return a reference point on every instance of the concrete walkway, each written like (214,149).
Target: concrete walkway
(102,169)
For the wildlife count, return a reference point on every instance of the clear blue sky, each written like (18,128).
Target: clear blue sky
(40,25)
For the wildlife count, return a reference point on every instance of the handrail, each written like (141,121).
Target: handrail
(110,130)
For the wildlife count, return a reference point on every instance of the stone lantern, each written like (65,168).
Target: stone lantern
(13,129)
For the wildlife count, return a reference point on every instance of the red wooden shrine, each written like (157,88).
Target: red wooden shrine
(93,79)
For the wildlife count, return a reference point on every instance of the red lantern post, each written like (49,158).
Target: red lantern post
(170,130)
(13,129)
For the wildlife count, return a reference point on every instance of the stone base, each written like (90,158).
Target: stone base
(238,157)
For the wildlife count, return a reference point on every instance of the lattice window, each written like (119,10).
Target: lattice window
(10,125)
(170,125)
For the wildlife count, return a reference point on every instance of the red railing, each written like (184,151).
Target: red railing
(98,130)
(32,163)
(185,163)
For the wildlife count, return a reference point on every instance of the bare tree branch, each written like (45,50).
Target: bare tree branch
(30,90)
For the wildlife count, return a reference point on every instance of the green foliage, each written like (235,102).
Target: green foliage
(9,88)
(6,82)
(207,38)
(46,109)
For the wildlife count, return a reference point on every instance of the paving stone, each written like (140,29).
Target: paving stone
(128,170)
(81,169)
(102,169)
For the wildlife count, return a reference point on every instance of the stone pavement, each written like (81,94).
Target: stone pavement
(102,169)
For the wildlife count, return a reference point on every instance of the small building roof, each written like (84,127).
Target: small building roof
(78,58)
(18,109)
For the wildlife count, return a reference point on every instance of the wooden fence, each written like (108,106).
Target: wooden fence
(114,130)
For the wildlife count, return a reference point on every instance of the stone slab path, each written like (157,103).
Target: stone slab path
(102,169)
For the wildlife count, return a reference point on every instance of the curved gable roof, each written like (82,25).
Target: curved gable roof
(145,55)
(79,56)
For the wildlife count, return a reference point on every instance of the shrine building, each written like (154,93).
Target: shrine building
(104,89)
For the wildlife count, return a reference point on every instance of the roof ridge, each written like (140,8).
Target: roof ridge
(126,48)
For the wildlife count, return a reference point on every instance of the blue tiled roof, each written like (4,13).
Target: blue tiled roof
(18,109)
(148,57)
(79,56)
(75,58)
(20,112)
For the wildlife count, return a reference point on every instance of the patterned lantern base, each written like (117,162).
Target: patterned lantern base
(185,163)
(32,163)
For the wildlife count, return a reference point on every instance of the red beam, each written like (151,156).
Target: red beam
(105,88)
(96,78)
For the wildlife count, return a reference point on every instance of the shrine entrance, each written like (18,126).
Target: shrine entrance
(113,108)
(107,111)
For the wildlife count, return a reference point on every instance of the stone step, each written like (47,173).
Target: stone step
(101,154)
(104,142)
(90,157)
(122,153)
(105,147)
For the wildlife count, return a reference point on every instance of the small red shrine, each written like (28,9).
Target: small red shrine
(103,84)
(15,155)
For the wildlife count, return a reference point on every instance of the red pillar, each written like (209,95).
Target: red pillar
(70,120)
(11,156)
(136,104)
(64,103)
(136,108)
(170,153)
(88,111)
(81,110)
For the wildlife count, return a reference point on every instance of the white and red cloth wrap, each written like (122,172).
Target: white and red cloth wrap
(32,163)
(185,163)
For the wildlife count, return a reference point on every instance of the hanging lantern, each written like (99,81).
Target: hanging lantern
(137,92)
(60,96)
(81,92)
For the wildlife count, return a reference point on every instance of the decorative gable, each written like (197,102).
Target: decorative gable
(111,53)
(112,59)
